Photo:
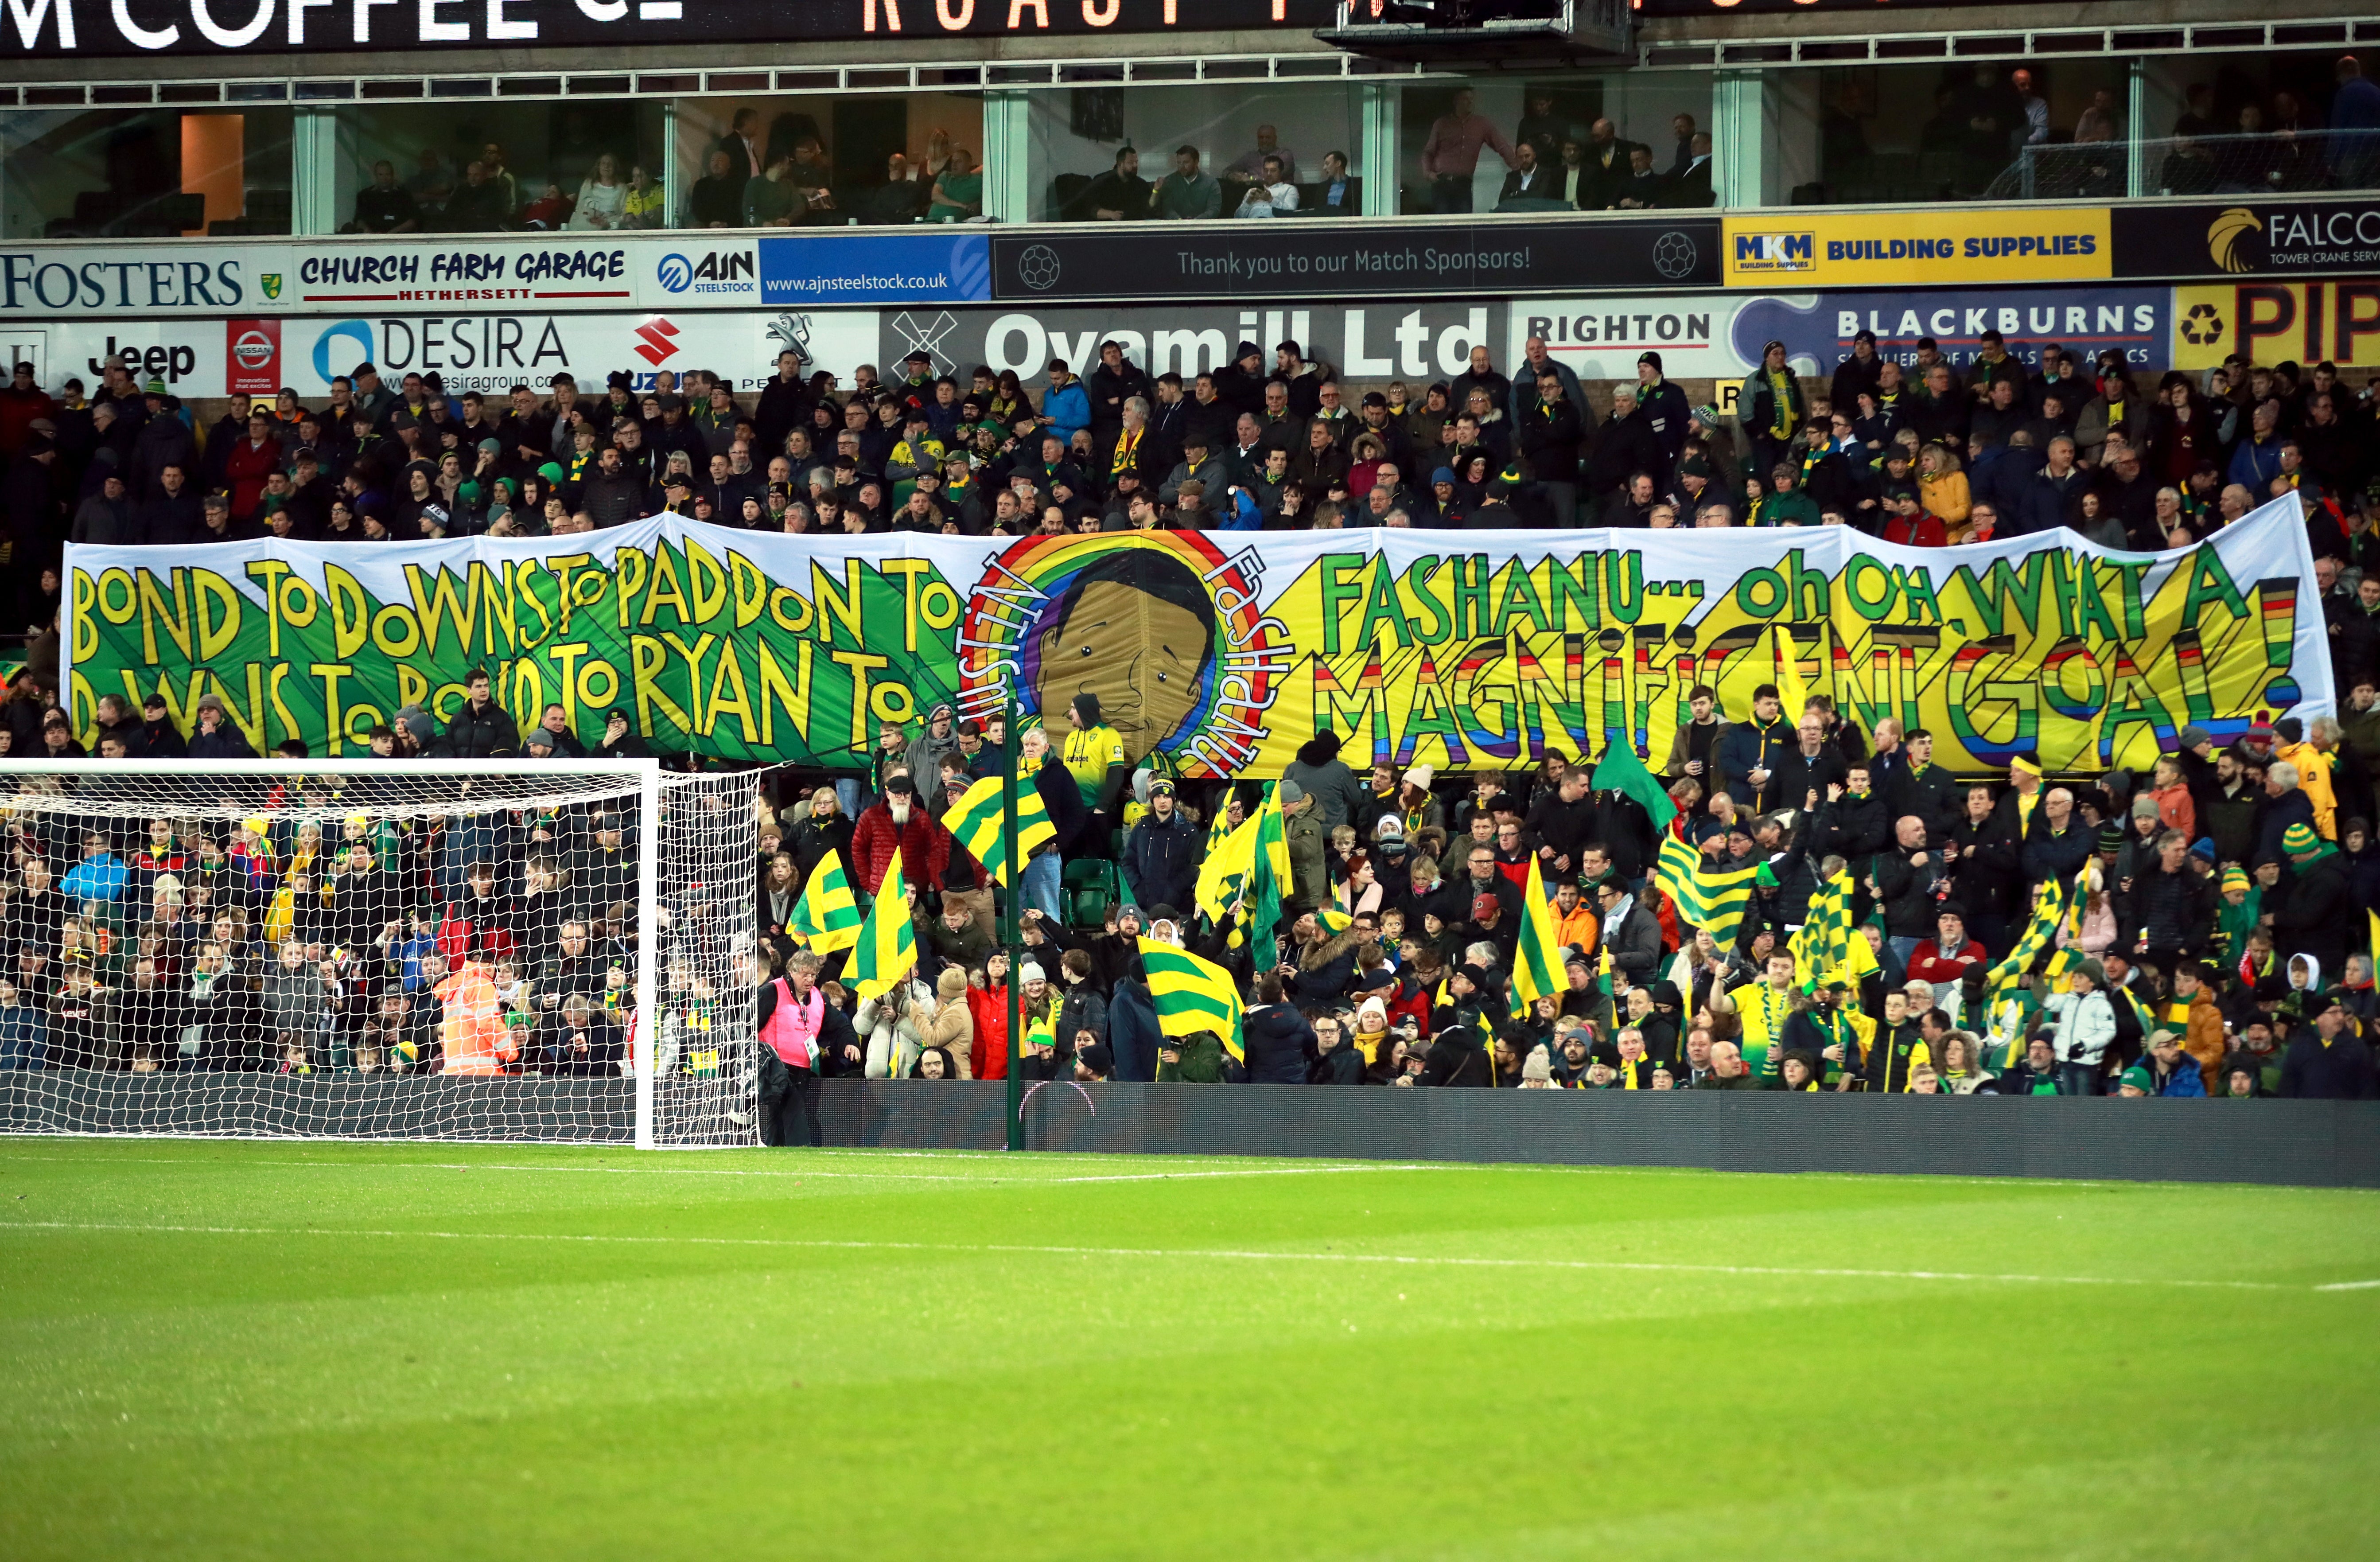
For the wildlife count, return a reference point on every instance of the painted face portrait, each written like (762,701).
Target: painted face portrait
(1137,630)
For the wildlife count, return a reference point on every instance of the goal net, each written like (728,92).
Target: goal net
(520,950)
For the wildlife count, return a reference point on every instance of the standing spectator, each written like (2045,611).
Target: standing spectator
(1450,157)
(2354,153)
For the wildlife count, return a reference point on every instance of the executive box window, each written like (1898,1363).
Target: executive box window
(2260,124)
(846,157)
(2042,130)
(1570,141)
(494,167)
(146,173)
(1312,131)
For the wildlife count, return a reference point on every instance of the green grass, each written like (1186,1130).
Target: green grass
(349,1351)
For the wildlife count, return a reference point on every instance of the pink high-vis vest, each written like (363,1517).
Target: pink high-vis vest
(793,1028)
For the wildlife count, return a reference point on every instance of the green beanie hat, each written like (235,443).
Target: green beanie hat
(2139,1079)
(2299,840)
(2233,878)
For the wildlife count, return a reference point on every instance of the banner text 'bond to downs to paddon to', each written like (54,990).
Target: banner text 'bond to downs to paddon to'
(1216,653)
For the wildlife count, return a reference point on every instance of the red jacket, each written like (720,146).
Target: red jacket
(1927,963)
(1925,531)
(922,841)
(246,471)
(989,1007)
(1412,1002)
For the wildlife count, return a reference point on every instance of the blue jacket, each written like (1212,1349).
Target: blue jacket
(2185,1079)
(1747,747)
(1277,1041)
(1161,862)
(2254,465)
(97,878)
(1133,1034)
(24,1038)
(1067,409)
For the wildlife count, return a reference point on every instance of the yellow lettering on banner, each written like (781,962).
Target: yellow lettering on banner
(777,599)
(751,589)
(270,571)
(529,691)
(693,655)
(777,689)
(152,610)
(216,634)
(665,589)
(524,577)
(492,592)
(730,670)
(289,727)
(908,570)
(561,567)
(589,696)
(632,567)
(331,673)
(361,719)
(444,604)
(708,580)
(845,607)
(650,657)
(860,664)
(390,644)
(567,656)
(350,613)
(412,687)
(86,631)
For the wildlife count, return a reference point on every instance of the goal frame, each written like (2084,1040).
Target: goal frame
(644,775)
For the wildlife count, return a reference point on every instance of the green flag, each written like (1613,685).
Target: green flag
(1621,770)
(1191,994)
(979,820)
(1269,877)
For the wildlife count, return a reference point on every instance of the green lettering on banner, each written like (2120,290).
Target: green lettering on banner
(763,647)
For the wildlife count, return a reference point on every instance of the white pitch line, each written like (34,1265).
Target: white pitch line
(2352,1286)
(1228,1254)
(1015,1181)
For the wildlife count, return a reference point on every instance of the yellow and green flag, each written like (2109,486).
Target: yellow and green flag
(1537,965)
(1706,897)
(2039,933)
(979,820)
(1191,994)
(1792,692)
(827,918)
(1829,946)
(887,948)
(1230,859)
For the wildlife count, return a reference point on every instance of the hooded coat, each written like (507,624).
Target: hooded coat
(1338,796)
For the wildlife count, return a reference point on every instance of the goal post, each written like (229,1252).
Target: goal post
(496,949)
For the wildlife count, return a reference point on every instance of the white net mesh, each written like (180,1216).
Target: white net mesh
(373,951)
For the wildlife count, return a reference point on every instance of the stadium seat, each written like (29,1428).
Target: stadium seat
(1090,886)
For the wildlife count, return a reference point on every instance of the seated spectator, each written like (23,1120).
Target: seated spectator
(385,206)
(1270,196)
(1118,195)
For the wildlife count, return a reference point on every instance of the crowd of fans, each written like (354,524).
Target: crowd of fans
(2218,946)
(2237,868)
(1924,454)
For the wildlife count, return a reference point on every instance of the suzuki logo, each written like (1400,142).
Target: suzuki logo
(659,339)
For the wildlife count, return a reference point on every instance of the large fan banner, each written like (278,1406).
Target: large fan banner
(1219,653)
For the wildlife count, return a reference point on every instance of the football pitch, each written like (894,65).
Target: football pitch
(296,1350)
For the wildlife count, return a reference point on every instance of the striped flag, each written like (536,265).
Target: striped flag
(827,918)
(887,948)
(1192,994)
(1230,859)
(2039,933)
(1537,964)
(1713,899)
(1829,946)
(978,822)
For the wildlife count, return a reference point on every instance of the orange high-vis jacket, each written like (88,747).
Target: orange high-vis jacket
(477,1039)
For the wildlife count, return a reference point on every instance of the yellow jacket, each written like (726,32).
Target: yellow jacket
(2315,780)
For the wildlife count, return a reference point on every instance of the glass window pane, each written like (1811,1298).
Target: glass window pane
(852,157)
(587,163)
(1077,137)
(145,172)
(1924,133)
(1461,143)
